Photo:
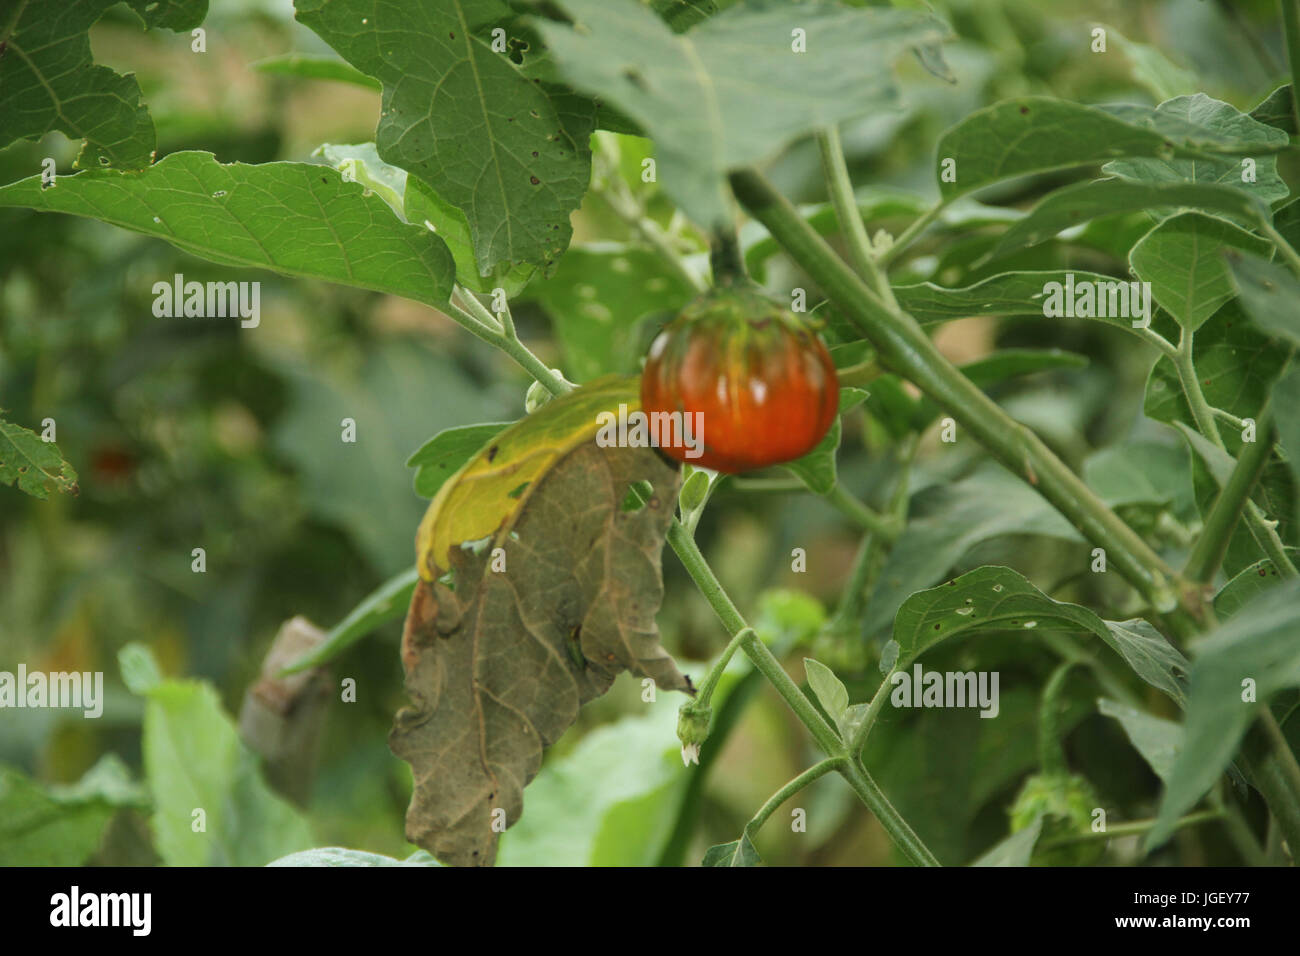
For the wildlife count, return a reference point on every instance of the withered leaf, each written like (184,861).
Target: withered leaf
(499,661)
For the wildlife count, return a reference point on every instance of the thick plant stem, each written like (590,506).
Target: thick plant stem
(846,210)
(903,835)
(1207,554)
(905,347)
(767,664)
(1264,533)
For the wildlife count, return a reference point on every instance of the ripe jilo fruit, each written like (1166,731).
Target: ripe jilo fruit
(762,380)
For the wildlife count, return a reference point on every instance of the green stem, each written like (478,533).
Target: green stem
(871,794)
(869,718)
(909,235)
(1239,832)
(1286,759)
(705,692)
(792,787)
(846,211)
(1263,531)
(1207,554)
(1131,828)
(474,316)
(725,260)
(1051,753)
(886,527)
(1271,780)
(1291,25)
(902,344)
(764,661)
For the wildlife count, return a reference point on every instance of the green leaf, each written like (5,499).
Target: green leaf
(601,300)
(1277,110)
(61,825)
(1081,202)
(1152,657)
(681,15)
(1247,584)
(292,218)
(732,91)
(1037,134)
(993,597)
(610,801)
(310,67)
(1016,849)
(830,690)
(1269,293)
(49,81)
(442,455)
(1182,258)
(1286,394)
(1258,644)
(37,466)
(947,521)
(1156,739)
(466,120)
(341,856)
(736,853)
(1152,69)
(1226,124)
(194,760)
(385,603)
(1009,293)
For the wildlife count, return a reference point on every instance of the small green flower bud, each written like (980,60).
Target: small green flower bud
(693,729)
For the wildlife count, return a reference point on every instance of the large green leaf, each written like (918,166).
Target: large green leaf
(999,598)
(61,825)
(49,81)
(466,120)
(195,761)
(1258,644)
(732,90)
(1008,293)
(1286,394)
(1156,739)
(415,202)
(35,465)
(1077,204)
(1036,134)
(1269,294)
(1246,584)
(292,218)
(1183,260)
(608,802)
(1227,124)
(953,519)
